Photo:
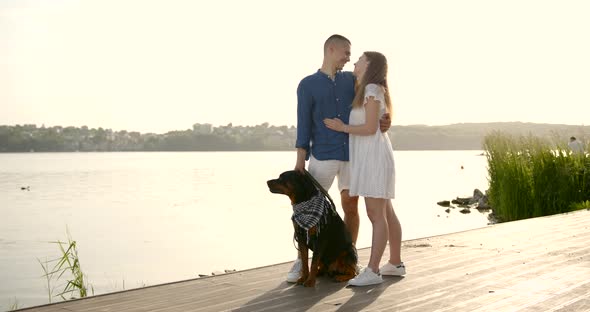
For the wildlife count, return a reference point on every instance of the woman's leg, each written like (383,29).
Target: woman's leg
(395,234)
(376,213)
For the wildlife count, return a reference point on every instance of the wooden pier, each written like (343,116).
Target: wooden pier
(540,264)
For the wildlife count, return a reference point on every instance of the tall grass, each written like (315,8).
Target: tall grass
(14,305)
(67,265)
(531,177)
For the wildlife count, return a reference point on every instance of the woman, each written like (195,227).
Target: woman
(372,172)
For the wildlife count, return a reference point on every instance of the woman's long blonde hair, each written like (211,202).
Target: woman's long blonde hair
(376,73)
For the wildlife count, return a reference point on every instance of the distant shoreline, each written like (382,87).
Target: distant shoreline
(264,137)
(211,151)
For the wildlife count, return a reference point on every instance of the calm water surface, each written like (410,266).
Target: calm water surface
(147,218)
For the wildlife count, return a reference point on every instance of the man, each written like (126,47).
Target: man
(328,94)
(576,146)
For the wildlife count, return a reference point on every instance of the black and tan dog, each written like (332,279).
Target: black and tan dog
(318,228)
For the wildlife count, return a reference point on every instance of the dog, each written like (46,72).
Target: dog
(320,230)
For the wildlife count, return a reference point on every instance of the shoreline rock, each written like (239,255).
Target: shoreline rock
(479,201)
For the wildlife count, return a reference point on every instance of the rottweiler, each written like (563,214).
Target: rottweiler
(318,228)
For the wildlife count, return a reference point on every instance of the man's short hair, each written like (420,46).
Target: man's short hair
(572,138)
(333,39)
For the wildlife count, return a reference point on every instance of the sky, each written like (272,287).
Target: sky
(163,65)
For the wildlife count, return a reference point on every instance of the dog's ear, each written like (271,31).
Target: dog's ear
(307,184)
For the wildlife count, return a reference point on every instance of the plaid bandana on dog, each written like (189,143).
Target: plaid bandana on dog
(309,213)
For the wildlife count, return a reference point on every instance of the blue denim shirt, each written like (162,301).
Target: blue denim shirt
(319,97)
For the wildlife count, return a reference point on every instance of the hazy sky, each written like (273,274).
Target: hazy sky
(155,66)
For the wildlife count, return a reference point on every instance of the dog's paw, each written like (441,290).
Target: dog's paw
(301,280)
(344,277)
(309,283)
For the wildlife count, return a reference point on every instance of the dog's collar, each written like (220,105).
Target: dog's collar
(317,199)
(307,214)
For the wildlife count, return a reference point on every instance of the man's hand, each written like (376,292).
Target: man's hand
(300,166)
(385,122)
(300,163)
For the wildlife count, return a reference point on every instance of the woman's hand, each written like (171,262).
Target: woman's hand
(335,124)
(385,122)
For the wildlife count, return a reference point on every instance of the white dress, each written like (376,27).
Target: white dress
(372,170)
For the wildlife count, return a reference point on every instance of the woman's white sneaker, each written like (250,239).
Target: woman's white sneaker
(392,269)
(365,278)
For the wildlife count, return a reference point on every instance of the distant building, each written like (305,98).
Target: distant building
(202,128)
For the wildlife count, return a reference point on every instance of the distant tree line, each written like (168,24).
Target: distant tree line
(30,138)
(263,137)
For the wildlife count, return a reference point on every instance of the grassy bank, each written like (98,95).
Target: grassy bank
(532,177)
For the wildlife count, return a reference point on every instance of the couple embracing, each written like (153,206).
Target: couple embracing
(342,123)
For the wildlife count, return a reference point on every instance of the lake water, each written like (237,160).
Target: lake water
(148,218)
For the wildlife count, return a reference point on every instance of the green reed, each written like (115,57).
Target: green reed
(531,177)
(14,305)
(69,265)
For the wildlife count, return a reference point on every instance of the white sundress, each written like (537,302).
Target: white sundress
(372,170)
